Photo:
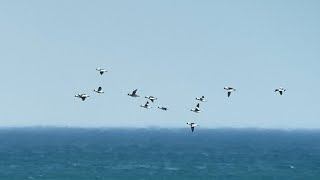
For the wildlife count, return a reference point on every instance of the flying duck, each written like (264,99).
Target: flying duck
(151,98)
(99,90)
(202,99)
(146,105)
(192,125)
(229,90)
(280,90)
(163,108)
(197,109)
(82,96)
(101,70)
(134,93)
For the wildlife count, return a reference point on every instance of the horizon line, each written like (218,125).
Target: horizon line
(155,128)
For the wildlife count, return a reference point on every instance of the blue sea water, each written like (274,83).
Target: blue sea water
(158,154)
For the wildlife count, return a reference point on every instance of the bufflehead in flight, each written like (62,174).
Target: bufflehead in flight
(82,96)
(101,70)
(192,125)
(146,105)
(197,109)
(151,98)
(163,108)
(229,90)
(134,93)
(280,90)
(99,90)
(202,99)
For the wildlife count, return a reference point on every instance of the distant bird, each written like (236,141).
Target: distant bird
(146,105)
(134,93)
(99,90)
(197,109)
(192,125)
(151,98)
(82,96)
(202,99)
(229,90)
(280,90)
(163,108)
(101,70)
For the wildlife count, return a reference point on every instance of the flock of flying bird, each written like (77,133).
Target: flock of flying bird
(152,98)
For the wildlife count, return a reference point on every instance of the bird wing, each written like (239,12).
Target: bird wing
(229,93)
(280,92)
(192,128)
(83,98)
(198,105)
(101,72)
(134,92)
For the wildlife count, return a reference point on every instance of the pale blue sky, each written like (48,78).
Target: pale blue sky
(174,50)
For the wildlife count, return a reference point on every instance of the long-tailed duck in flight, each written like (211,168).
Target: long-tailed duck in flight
(192,125)
(197,109)
(151,98)
(280,90)
(82,96)
(229,90)
(101,70)
(99,90)
(202,99)
(134,93)
(146,105)
(163,108)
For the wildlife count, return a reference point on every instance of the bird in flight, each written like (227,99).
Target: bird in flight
(134,93)
(146,105)
(163,108)
(82,96)
(202,99)
(196,109)
(99,90)
(101,71)
(192,125)
(151,98)
(229,90)
(280,90)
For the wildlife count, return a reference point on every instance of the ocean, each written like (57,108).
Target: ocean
(158,154)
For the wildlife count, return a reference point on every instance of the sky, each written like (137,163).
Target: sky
(174,50)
